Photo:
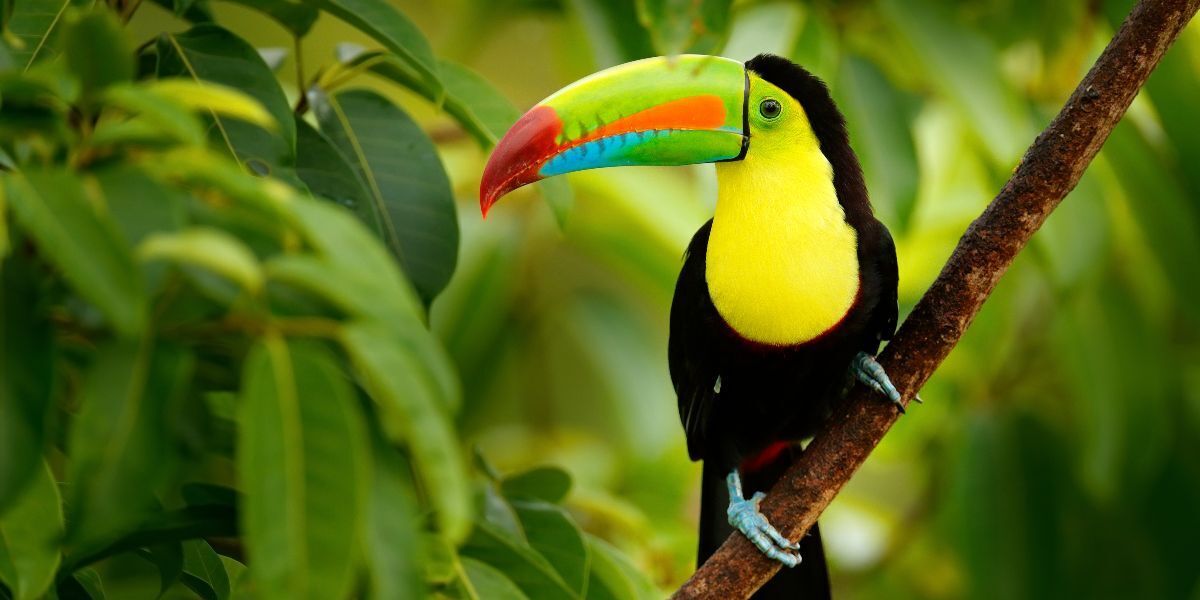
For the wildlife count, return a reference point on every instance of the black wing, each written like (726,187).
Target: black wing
(691,348)
(882,255)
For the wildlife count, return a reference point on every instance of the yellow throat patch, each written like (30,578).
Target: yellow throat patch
(782,263)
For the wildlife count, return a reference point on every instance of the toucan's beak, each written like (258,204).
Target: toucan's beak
(657,111)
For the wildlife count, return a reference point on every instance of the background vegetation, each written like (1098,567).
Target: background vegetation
(244,325)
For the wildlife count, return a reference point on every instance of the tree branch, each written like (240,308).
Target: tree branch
(1050,169)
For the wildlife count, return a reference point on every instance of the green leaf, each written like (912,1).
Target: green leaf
(1161,206)
(172,526)
(478,106)
(217,99)
(265,141)
(153,118)
(53,207)
(487,582)
(388,26)
(409,189)
(203,571)
(259,199)
(139,204)
(120,440)
(82,585)
(393,528)
(613,577)
(349,254)
(36,25)
(499,512)
(549,484)
(30,531)
(96,49)
(555,536)
(26,377)
(168,557)
(304,468)
(881,136)
(395,379)
(297,17)
(697,26)
(525,566)
(209,249)
(329,175)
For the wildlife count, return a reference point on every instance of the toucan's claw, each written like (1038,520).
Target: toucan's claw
(917,399)
(867,371)
(745,517)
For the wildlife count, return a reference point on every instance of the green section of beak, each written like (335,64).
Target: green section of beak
(626,90)
(658,111)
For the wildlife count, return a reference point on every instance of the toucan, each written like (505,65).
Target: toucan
(784,296)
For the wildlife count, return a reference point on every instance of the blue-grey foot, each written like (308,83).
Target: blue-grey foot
(746,518)
(873,376)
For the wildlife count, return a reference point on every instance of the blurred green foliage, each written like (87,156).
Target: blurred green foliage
(227,239)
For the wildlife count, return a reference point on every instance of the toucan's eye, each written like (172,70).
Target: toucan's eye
(769,108)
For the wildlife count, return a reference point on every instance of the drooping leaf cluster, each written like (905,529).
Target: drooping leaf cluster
(214,350)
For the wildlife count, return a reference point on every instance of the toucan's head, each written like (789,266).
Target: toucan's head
(667,111)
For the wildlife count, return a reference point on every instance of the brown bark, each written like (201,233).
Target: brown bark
(1050,169)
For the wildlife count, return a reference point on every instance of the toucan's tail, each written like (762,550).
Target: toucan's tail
(810,579)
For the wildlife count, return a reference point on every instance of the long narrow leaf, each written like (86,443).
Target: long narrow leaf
(304,468)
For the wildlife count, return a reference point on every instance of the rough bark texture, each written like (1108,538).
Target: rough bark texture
(1050,169)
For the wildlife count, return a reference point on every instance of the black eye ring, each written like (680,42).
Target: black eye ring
(770,108)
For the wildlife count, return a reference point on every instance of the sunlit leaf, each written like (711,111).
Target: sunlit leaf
(155,116)
(30,532)
(410,192)
(53,207)
(259,130)
(409,413)
(304,467)
(209,249)
(215,98)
